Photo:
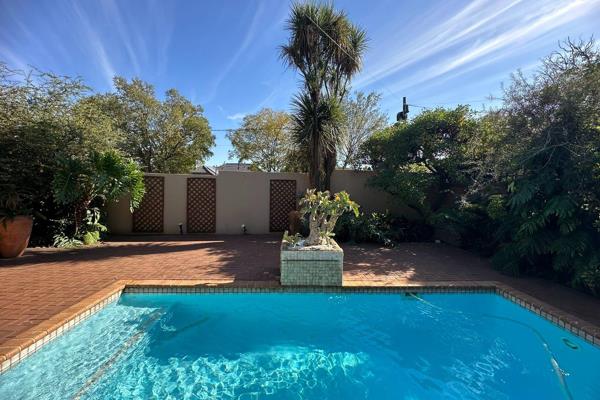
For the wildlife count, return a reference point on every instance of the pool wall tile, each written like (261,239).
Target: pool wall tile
(33,340)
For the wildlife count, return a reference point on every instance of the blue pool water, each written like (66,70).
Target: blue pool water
(310,346)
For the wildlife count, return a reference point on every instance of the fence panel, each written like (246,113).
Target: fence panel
(201,205)
(149,216)
(282,201)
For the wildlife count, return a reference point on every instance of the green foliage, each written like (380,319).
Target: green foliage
(315,129)
(103,176)
(326,49)
(426,155)
(471,223)
(100,178)
(58,151)
(291,240)
(93,227)
(361,118)
(34,129)
(553,199)
(89,232)
(13,202)
(323,211)
(167,136)
(381,228)
(521,182)
(89,238)
(64,241)
(265,139)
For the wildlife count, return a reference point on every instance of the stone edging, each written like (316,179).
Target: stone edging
(15,350)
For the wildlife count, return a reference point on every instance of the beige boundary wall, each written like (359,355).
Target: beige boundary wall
(243,198)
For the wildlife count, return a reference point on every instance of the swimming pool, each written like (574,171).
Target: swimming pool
(310,346)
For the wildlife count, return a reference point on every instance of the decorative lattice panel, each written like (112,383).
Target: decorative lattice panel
(201,205)
(148,217)
(282,201)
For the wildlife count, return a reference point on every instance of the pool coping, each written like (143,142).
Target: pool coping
(30,341)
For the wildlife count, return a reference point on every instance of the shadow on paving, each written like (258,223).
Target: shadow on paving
(125,246)
(80,272)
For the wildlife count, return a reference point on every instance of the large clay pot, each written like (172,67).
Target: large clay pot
(295,220)
(14,236)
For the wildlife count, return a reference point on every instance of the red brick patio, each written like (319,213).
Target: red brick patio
(45,282)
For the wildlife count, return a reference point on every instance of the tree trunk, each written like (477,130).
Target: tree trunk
(80,212)
(315,168)
(330,161)
(314,237)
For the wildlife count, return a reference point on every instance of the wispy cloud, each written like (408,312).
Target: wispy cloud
(274,90)
(236,116)
(96,49)
(13,60)
(478,34)
(248,39)
(161,12)
(113,12)
(461,26)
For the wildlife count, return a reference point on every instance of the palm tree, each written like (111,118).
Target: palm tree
(326,48)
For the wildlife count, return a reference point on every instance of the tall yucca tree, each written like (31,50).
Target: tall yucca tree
(326,48)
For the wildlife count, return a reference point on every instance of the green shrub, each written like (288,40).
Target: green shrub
(473,224)
(588,277)
(380,228)
(58,153)
(522,182)
(91,238)
(64,241)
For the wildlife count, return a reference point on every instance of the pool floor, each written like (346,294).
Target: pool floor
(310,346)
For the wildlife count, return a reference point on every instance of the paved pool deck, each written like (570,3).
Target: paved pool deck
(45,283)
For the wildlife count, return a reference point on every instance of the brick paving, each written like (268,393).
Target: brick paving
(47,282)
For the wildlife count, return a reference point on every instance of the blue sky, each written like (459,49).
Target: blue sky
(223,55)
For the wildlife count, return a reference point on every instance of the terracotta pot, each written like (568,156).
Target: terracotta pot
(14,236)
(295,220)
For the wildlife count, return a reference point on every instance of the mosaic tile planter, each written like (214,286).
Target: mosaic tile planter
(311,267)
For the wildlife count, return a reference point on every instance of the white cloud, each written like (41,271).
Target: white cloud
(480,33)
(96,46)
(112,9)
(236,116)
(12,59)
(248,38)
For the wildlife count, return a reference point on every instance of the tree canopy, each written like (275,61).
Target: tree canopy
(361,118)
(167,136)
(424,155)
(265,139)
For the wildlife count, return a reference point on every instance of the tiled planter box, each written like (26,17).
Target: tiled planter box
(310,267)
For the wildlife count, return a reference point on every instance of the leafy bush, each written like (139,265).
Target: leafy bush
(90,238)
(380,228)
(101,177)
(472,223)
(64,241)
(521,182)
(552,211)
(424,156)
(57,151)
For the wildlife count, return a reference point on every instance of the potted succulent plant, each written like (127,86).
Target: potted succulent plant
(15,222)
(316,260)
